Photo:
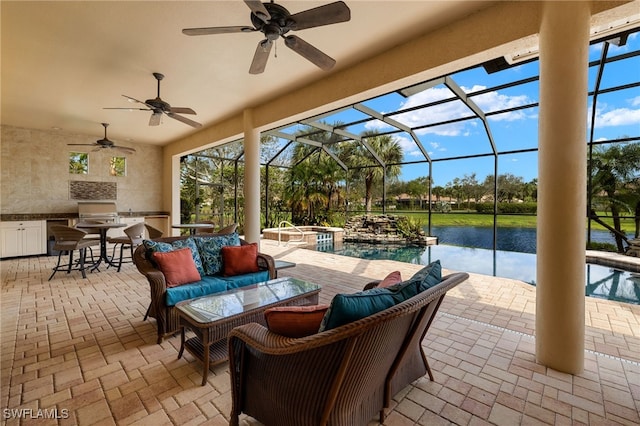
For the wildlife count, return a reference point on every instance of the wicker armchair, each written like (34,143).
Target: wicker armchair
(344,376)
(167,316)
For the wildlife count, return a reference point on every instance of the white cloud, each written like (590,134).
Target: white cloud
(491,101)
(377,125)
(617,117)
(635,101)
(409,147)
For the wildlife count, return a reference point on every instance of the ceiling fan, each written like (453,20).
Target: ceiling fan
(105,143)
(159,107)
(275,21)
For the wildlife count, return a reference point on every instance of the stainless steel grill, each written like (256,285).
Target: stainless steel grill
(103,211)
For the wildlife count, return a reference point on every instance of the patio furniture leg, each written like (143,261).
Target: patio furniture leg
(83,254)
(55,269)
(70,261)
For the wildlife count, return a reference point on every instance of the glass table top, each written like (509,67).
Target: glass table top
(237,301)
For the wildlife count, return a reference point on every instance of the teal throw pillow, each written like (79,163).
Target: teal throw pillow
(428,276)
(346,308)
(161,247)
(210,248)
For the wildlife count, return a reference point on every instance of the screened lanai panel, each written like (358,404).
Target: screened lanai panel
(457,139)
(617,115)
(513,131)
(617,73)
(478,78)
(522,164)
(445,173)
(419,116)
(508,98)
(293,129)
(274,150)
(342,116)
(410,150)
(385,103)
(228,151)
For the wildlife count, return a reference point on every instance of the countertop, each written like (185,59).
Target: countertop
(7,217)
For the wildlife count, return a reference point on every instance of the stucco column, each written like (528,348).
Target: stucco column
(174,185)
(251,180)
(562,185)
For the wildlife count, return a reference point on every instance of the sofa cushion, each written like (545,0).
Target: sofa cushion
(245,279)
(295,321)
(161,247)
(207,285)
(177,266)
(346,308)
(428,276)
(238,260)
(392,278)
(210,248)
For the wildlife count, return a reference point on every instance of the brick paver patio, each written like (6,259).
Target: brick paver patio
(79,349)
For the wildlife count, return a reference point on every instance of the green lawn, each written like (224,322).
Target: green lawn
(515,221)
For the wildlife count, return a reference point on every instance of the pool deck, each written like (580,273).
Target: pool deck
(615,260)
(82,345)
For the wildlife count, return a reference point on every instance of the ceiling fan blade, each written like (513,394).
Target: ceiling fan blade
(155,119)
(217,30)
(309,52)
(130,109)
(331,13)
(81,144)
(182,110)
(184,120)
(135,100)
(261,56)
(96,149)
(124,149)
(258,9)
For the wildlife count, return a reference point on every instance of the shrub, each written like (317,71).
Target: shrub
(529,208)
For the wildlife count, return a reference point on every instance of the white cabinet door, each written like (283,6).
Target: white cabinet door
(23,238)
(34,238)
(11,241)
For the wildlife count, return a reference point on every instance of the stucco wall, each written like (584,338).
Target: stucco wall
(35,172)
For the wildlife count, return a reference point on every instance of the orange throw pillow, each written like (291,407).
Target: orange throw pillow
(238,260)
(295,321)
(177,266)
(391,279)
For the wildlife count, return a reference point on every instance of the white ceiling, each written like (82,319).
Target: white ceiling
(63,62)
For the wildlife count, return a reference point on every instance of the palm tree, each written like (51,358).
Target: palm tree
(357,156)
(615,180)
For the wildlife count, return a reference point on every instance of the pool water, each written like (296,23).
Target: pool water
(602,281)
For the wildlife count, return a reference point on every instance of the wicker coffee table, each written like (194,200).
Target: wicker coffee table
(211,318)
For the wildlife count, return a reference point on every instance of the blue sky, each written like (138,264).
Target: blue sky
(617,115)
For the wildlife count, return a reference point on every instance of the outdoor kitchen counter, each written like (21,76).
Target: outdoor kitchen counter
(8,217)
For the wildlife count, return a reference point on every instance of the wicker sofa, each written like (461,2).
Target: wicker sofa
(163,298)
(343,376)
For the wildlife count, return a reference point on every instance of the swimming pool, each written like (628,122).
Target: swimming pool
(602,281)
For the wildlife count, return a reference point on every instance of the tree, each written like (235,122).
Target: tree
(387,149)
(615,182)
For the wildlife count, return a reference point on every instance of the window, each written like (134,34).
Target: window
(79,163)
(118,166)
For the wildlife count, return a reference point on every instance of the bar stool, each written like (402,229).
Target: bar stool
(67,240)
(134,235)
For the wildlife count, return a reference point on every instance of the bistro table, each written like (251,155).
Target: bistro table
(192,227)
(103,228)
